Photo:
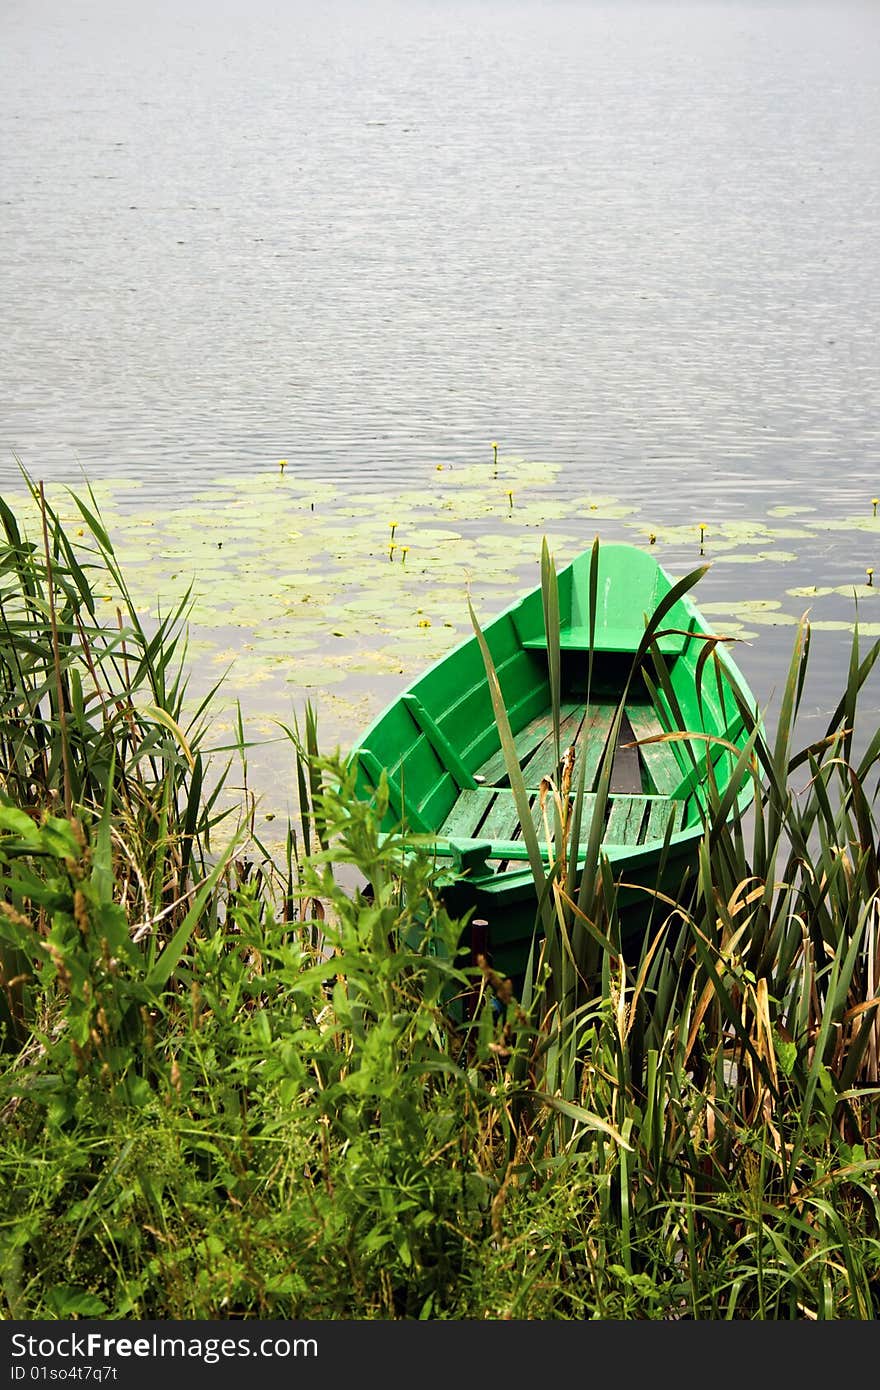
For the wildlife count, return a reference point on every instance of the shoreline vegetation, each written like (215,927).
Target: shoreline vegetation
(232,1087)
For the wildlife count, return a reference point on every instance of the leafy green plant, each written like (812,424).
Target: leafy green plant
(251,1092)
(92,714)
(743,1030)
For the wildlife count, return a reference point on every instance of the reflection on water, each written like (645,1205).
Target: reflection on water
(637,241)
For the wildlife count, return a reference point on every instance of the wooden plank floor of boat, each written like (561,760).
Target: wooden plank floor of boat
(490,813)
(536,749)
(639,808)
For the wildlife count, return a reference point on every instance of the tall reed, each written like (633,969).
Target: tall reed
(240,1090)
(738,1043)
(93,716)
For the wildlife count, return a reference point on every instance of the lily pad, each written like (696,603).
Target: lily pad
(809,591)
(756,610)
(315,674)
(852,523)
(779,557)
(749,605)
(278,563)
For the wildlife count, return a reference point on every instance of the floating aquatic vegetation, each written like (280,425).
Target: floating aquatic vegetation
(314,674)
(722,535)
(511,470)
(794,510)
(300,584)
(599,508)
(250,673)
(839,625)
(749,605)
(764,611)
(846,523)
(286,645)
(861,591)
(776,557)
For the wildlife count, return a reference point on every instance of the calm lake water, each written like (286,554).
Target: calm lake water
(637,241)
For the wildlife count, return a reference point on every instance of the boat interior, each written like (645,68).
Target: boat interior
(440,748)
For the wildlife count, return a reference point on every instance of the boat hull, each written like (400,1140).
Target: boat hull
(650,731)
(510,927)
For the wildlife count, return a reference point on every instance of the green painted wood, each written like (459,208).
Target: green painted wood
(608,639)
(469,855)
(630,821)
(440,800)
(501,851)
(395,739)
(587,811)
(625,820)
(636,820)
(502,820)
(663,768)
(399,803)
(527,739)
(418,771)
(538,818)
(538,815)
(615,825)
(448,755)
(715,753)
(455,695)
(659,815)
(595,731)
(466,816)
(541,762)
(485,747)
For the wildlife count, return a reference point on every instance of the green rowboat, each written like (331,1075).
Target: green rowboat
(631,674)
